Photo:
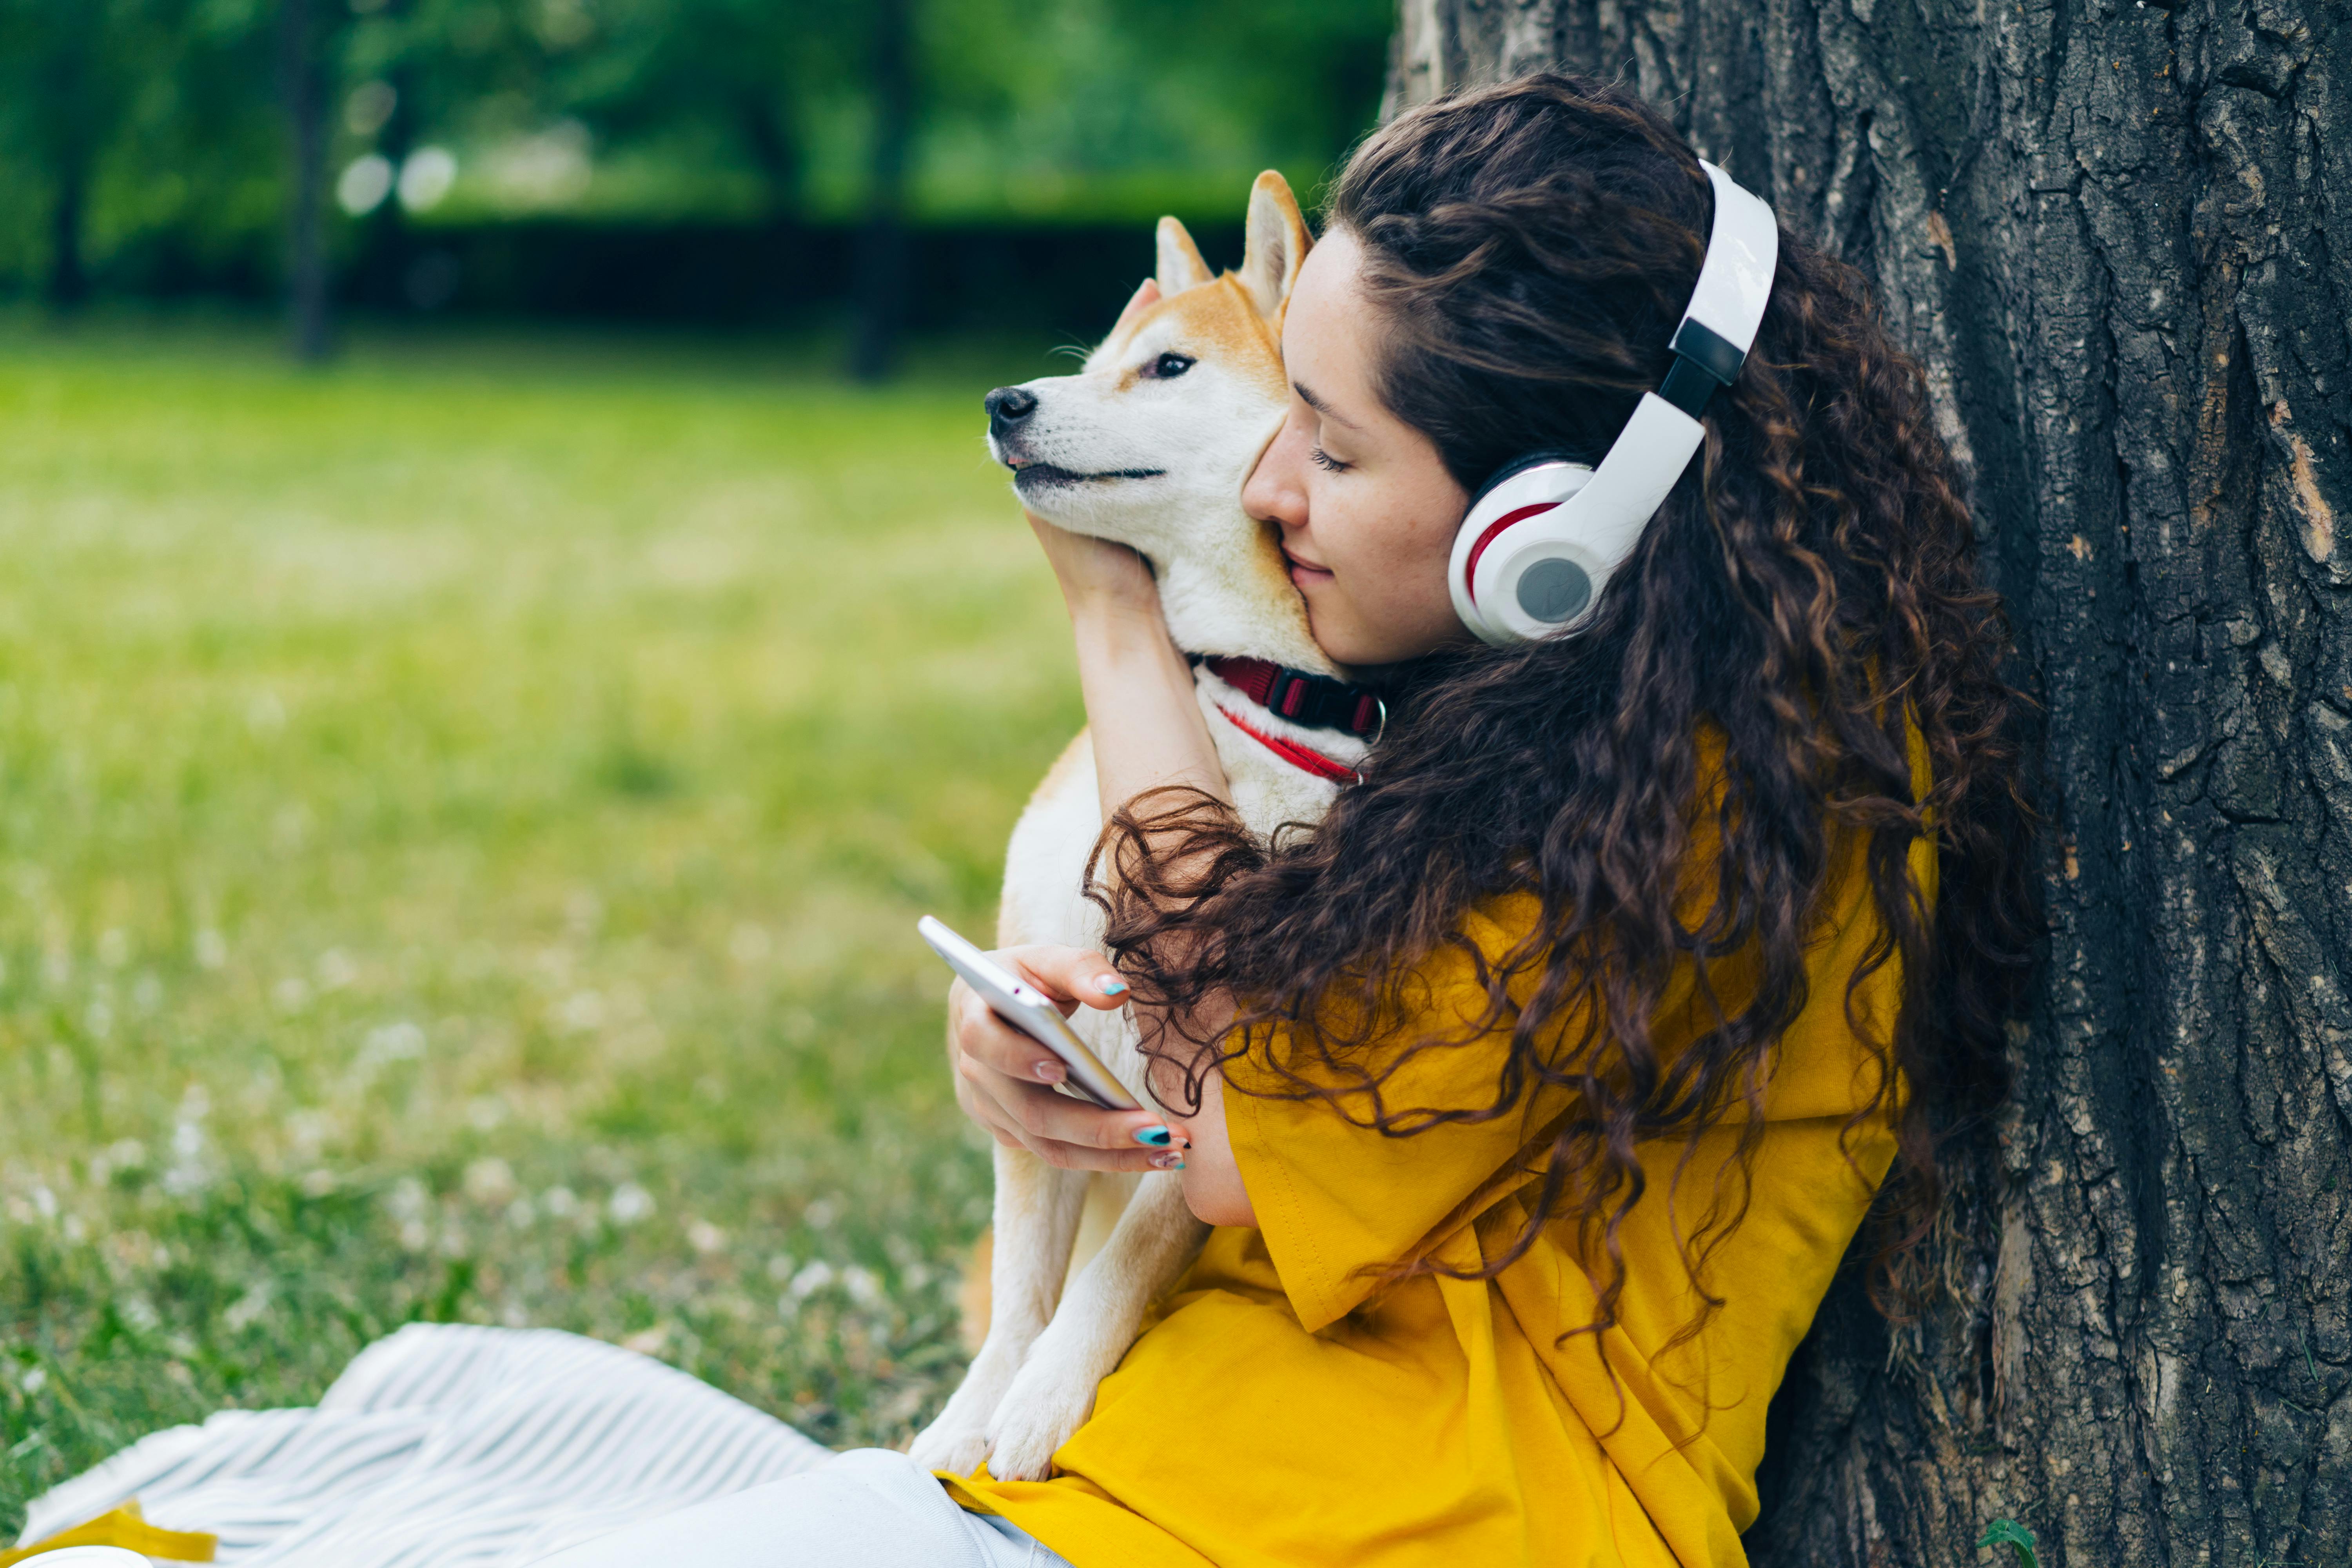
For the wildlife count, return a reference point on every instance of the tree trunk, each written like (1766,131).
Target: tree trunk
(880,286)
(69,282)
(303,85)
(767,132)
(73,108)
(2120,238)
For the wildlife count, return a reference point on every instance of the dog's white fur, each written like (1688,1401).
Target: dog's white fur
(1225,589)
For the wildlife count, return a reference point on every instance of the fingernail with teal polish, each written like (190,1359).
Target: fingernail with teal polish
(1111,985)
(1168,1162)
(1155,1136)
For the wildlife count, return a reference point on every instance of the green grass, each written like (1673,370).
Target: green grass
(461,820)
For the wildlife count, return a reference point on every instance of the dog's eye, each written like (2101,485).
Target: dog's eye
(1168,365)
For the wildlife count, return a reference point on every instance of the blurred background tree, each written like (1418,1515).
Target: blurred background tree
(916,164)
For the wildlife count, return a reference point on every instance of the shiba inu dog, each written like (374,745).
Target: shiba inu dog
(1148,445)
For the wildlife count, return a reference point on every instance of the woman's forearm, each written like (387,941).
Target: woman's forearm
(1148,733)
(1147,726)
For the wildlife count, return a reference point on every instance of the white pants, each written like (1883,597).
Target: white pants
(868,1508)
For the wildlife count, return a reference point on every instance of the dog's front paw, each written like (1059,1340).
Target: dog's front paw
(957,1439)
(1049,1400)
(952,1443)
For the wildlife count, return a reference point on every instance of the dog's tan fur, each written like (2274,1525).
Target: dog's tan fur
(1225,589)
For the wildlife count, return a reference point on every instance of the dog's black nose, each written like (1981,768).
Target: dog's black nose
(1007,407)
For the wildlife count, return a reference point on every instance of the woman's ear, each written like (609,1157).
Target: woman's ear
(1180,267)
(1279,242)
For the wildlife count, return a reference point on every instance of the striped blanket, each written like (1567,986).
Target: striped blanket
(445,1445)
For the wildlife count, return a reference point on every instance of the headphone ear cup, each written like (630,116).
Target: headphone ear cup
(1513,470)
(1544,585)
(1553,589)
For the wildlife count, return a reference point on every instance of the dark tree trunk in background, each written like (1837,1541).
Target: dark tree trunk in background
(775,149)
(69,282)
(302,82)
(2120,238)
(880,286)
(71,114)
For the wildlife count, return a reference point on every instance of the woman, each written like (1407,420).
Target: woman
(1539,1090)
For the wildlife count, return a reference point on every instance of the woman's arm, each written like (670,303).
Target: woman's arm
(1145,723)
(1148,733)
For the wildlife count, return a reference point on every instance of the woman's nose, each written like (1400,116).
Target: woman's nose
(1275,493)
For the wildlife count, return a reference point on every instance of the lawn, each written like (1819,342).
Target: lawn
(462,817)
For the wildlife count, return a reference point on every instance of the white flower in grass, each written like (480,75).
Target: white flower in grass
(408,1200)
(189,1171)
(560,1203)
(864,1287)
(395,1042)
(810,1280)
(336,970)
(704,1236)
(578,1013)
(248,1309)
(490,1181)
(265,714)
(630,1202)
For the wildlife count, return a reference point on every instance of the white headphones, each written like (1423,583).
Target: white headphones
(1543,536)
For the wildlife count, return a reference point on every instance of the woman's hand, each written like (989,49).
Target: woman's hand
(1099,578)
(1004,1079)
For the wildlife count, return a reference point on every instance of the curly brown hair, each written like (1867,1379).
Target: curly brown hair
(1807,594)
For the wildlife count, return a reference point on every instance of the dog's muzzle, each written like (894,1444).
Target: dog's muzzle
(1007,407)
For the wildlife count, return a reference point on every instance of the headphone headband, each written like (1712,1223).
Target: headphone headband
(1545,533)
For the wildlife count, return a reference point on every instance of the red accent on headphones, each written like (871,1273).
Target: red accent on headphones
(1470,571)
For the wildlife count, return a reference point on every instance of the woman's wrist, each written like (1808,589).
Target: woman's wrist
(1118,628)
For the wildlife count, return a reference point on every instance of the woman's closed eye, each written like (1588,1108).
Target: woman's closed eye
(1326,462)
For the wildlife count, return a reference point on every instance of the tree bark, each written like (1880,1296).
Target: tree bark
(2119,237)
(302,79)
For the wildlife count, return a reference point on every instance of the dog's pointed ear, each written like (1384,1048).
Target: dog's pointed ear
(1142,300)
(1180,267)
(1279,242)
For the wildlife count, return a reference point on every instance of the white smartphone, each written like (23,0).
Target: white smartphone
(1029,1010)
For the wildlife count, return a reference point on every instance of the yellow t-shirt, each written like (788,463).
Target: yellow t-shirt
(1282,1408)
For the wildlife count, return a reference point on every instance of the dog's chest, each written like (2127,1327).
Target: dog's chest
(1046,863)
